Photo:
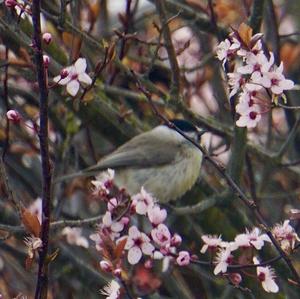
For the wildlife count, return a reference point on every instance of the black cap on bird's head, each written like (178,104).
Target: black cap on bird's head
(188,128)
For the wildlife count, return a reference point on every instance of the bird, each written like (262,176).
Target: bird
(161,160)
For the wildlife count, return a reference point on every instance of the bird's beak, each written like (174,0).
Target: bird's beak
(200,132)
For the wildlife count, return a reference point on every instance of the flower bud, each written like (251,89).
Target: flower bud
(47,38)
(176,240)
(118,272)
(148,264)
(64,73)
(183,258)
(10,3)
(105,266)
(235,278)
(13,116)
(46,60)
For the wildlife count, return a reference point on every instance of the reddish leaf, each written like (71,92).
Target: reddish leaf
(119,248)
(31,223)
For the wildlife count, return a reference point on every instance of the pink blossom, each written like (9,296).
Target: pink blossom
(255,46)
(14,116)
(249,118)
(235,81)
(183,258)
(253,238)
(98,240)
(76,75)
(266,276)
(112,204)
(142,202)
(285,235)
(223,259)
(256,64)
(210,242)
(161,235)
(277,82)
(74,236)
(226,49)
(156,215)
(113,228)
(103,182)
(137,244)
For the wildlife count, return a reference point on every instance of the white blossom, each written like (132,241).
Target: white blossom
(76,75)
(266,276)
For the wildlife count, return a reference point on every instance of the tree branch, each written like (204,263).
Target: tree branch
(42,279)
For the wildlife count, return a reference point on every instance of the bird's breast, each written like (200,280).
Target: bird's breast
(165,182)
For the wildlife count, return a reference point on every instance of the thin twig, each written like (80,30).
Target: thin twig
(42,279)
(176,78)
(288,107)
(289,139)
(126,20)
(5,98)
(55,224)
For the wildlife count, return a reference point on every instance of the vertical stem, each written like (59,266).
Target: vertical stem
(176,80)
(5,98)
(42,279)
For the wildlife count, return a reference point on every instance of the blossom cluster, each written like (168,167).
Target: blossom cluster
(119,227)
(225,252)
(157,242)
(256,77)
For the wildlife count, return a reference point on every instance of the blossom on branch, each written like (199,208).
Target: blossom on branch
(266,276)
(76,75)
(210,243)
(137,244)
(223,259)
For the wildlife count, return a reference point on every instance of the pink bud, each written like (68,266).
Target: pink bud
(64,73)
(235,278)
(118,272)
(105,266)
(46,60)
(13,116)
(10,3)
(183,258)
(176,240)
(125,220)
(148,264)
(47,38)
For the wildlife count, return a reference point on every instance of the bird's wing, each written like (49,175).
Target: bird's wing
(138,152)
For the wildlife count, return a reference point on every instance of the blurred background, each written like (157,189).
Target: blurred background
(115,37)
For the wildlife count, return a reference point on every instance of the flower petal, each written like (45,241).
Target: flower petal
(80,65)
(85,78)
(134,255)
(73,87)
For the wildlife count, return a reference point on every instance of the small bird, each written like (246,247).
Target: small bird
(161,160)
